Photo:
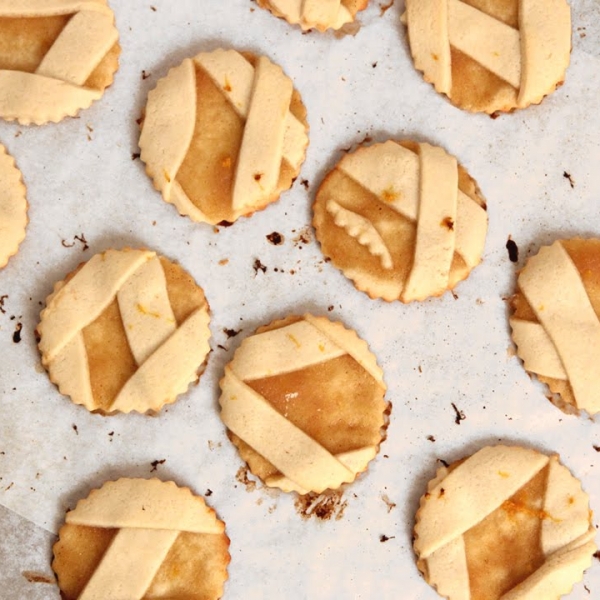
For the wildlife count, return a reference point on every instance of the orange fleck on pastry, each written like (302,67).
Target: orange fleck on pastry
(315,14)
(303,400)
(404,221)
(126,331)
(507,523)
(56,57)
(556,321)
(224,134)
(141,538)
(13,207)
(489,56)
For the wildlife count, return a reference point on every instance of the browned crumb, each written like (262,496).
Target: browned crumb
(391,505)
(448,223)
(258,266)
(321,506)
(230,332)
(156,463)
(2,299)
(275,238)
(383,8)
(75,428)
(34,577)
(571,180)
(384,538)
(135,155)
(460,415)
(513,250)
(223,261)
(17,333)
(596,448)
(304,182)
(242,477)
(145,75)
(431,438)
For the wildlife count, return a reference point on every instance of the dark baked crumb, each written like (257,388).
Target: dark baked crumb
(441,492)
(305,183)
(571,180)
(258,266)
(221,347)
(443,462)
(2,299)
(153,8)
(155,464)
(224,224)
(135,155)
(208,492)
(513,250)
(460,415)
(17,333)
(431,438)
(230,332)
(321,506)
(76,238)
(275,238)
(145,75)
(448,223)
(242,477)
(454,294)
(374,64)
(384,538)
(597,555)
(596,448)
(75,428)
(34,577)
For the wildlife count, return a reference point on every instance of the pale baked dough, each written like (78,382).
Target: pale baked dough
(56,57)
(556,321)
(13,207)
(141,538)
(127,331)
(489,55)
(224,134)
(507,523)
(315,14)
(303,399)
(403,220)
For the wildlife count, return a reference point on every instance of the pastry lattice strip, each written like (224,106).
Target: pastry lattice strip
(60,77)
(321,14)
(529,59)
(136,279)
(423,189)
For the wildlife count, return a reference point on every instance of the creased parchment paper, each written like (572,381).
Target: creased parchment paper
(84,181)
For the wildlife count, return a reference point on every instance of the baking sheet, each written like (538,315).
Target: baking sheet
(83,182)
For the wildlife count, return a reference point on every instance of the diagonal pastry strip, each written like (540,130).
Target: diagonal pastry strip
(553,287)
(234,75)
(289,349)
(79,48)
(50,8)
(449,569)
(79,302)
(296,455)
(320,11)
(130,564)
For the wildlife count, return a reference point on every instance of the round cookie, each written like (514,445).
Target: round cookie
(315,14)
(490,56)
(126,331)
(303,400)
(141,538)
(224,134)
(13,207)
(56,57)
(556,321)
(507,522)
(404,221)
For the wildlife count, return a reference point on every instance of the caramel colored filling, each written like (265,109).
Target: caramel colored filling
(110,360)
(505,548)
(194,568)
(585,255)
(25,41)
(207,174)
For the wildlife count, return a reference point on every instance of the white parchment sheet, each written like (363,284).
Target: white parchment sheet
(82,181)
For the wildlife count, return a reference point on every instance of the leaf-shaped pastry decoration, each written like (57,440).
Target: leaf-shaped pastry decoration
(362,231)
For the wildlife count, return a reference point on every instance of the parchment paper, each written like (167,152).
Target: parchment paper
(82,180)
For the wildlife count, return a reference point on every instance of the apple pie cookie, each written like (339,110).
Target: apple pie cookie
(489,56)
(507,523)
(56,57)
(223,135)
(404,221)
(126,331)
(556,321)
(315,14)
(141,538)
(13,207)
(303,400)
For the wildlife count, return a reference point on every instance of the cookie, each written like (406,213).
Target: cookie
(126,331)
(56,57)
(141,538)
(224,134)
(556,321)
(490,56)
(315,14)
(507,522)
(13,207)
(303,400)
(404,221)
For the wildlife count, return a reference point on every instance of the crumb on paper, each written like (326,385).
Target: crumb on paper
(242,477)
(460,415)
(224,223)
(145,75)
(135,155)
(3,297)
(454,294)
(275,238)
(596,448)
(324,506)
(510,351)
(156,463)
(431,438)
(76,238)
(443,462)
(303,236)
(208,492)
(153,8)
(258,266)
(223,261)
(34,577)
(384,538)
(231,332)
(212,445)
(383,8)
(571,180)
(513,250)
(17,333)
(390,505)
(305,183)
(75,428)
